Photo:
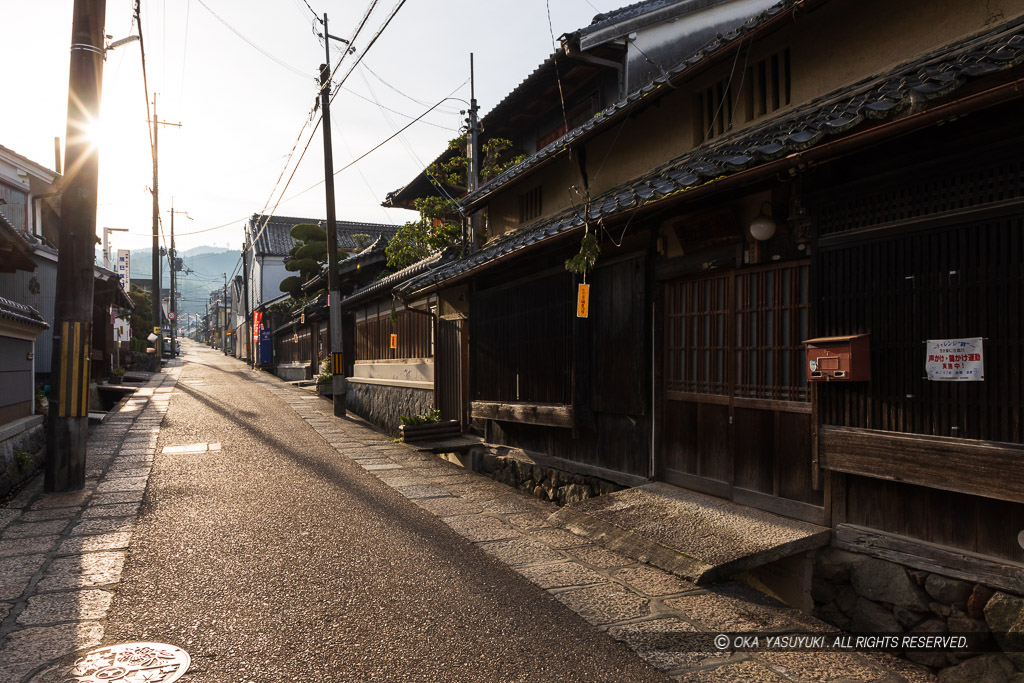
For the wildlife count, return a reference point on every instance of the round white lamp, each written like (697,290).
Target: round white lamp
(763,226)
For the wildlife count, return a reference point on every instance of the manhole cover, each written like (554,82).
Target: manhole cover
(129,662)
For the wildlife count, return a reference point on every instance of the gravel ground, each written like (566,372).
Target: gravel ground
(275,559)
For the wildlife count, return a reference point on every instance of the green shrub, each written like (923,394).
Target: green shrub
(430,417)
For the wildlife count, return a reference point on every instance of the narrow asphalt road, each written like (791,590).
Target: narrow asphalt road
(276,559)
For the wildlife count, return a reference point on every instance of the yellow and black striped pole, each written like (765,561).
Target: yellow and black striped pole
(73,390)
(68,426)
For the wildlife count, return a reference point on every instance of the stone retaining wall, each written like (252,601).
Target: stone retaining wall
(860,593)
(543,482)
(384,405)
(22,448)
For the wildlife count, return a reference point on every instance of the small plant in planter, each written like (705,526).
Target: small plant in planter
(325,371)
(429,417)
(117,374)
(426,427)
(323,380)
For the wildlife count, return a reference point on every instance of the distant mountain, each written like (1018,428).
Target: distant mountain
(204,269)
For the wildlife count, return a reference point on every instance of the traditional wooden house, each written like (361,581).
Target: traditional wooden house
(394,345)
(807,228)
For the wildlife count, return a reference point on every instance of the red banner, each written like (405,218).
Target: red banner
(257,319)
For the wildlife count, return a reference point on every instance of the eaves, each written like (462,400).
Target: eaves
(904,100)
(718,50)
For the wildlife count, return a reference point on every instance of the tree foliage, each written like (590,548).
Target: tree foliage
(499,155)
(306,258)
(142,316)
(439,226)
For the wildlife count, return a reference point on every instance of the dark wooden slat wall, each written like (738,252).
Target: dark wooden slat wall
(529,328)
(521,341)
(959,281)
(930,249)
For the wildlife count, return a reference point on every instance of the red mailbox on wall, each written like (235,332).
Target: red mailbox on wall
(845,359)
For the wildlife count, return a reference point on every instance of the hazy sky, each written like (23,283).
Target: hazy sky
(241,110)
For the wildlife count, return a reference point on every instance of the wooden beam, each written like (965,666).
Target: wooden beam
(547,414)
(981,468)
(959,564)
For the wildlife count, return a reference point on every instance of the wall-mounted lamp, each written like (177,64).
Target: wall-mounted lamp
(763,226)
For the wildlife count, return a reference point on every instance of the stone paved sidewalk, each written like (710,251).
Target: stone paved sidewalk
(61,554)
(650,610)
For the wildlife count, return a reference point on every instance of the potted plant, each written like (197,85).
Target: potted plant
(117,374)
(323,380)
(427,427)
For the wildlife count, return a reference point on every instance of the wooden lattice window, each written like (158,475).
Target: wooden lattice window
(414,337)
(772,309)
(697,344)
(739,333)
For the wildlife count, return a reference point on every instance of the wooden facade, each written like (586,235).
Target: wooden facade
(691,367)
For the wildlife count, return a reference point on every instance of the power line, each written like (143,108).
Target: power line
(253,43)
(393,111)
(373,149)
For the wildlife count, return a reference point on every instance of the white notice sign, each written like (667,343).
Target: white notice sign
(124,262)
(955,360)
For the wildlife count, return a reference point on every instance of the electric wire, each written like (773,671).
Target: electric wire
(394,111)
(252,43)
(422,103)
(371,150)
(184,50)
(363,53)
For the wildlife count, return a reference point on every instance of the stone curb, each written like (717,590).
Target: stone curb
(636,603)
(61,555)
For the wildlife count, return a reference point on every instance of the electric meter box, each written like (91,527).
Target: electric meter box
(840,359)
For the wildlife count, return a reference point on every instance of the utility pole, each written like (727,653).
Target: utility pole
(158,328)
(67,443)
(174,281)
(338,382)
(249,326)
(473,182)
(224,317)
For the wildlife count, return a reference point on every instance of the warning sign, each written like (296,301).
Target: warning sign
(394,341)
(955,360)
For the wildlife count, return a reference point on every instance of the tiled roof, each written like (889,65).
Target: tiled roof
(21,313)
(634,11)
(18,256)
(386,284)
(614,112)
(276,239)
(928,78)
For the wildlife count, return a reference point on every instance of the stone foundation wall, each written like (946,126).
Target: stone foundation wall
(543,482)
(22,449)
(384,405)
(860,593)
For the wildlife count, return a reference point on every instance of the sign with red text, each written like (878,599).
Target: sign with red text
(955,360)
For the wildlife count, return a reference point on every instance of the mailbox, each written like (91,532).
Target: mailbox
(841,359)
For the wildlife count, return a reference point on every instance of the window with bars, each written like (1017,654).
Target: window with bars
(530,205)
(762,88)
(738,334)
(414,337)
(697,340)
(772,318)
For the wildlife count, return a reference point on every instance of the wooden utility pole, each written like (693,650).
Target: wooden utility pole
(338,382)
(250,328)
(473,167)
(224,317)
(174,283)
(158,328)
(66,444)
